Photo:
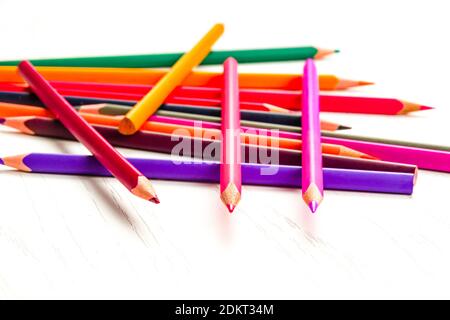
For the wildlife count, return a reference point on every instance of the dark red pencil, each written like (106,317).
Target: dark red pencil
(119,167)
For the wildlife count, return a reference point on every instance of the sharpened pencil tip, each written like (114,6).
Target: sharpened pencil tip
(1,161)
(321,53)
(313,206)
(369,157)
(426,108)
(2,120)
(144,190)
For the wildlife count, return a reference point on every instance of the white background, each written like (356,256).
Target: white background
(72,237)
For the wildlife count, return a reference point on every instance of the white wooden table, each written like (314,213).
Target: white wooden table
(81,237)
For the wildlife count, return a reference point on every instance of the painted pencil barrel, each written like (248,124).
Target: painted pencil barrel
(435,160)
(168,59)
(285,176)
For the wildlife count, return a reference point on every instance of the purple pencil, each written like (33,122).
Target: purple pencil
(165,144)
(312,175)
(283,176)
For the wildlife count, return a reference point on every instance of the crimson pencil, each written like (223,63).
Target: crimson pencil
(312,175)
(119,167)
(230,161)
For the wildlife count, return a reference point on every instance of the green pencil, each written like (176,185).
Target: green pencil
(168,59)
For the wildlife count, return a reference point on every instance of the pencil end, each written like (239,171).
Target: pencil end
(411,107)
(365,83)
(313,197)
(19,123)
(16,162)
(2,120)
(144,189)
(322,53)
(231,197)
(127,127)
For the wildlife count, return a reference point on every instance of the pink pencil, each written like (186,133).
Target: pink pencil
(312,175)
(230,162)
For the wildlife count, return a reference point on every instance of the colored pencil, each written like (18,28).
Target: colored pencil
(230,160)
(158,60)
(287,121)
(196,148)
(284,176)
(330,103)
(196,78)
(282,98)
(148,105)
(119,167)
(312,172)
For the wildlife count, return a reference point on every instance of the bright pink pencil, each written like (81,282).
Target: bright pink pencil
(119,167)
(230,159)
(312,175)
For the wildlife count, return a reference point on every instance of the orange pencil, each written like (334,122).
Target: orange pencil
(195,79)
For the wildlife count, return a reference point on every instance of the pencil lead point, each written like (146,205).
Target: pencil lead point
(2,120)
(369,157)
(321,53)
(426,108)
(1,161)
(155,199)
(231,208)
(313,206)
(365,83)
(341,127)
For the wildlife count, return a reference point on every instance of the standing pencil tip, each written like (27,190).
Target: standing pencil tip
(144,190)
(231,207)
(313,205)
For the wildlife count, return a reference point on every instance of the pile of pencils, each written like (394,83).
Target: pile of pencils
(259,129)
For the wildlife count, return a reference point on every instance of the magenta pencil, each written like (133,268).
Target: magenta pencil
(230,159)
(312,174)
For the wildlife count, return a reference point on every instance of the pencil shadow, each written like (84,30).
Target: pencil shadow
(96,187)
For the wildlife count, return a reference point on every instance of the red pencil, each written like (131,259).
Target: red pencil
(230,162)
(119,167)
(250,99)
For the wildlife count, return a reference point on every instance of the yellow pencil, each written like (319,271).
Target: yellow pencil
(139,114)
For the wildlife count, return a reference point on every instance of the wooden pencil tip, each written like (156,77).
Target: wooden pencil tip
(2,120)
(16,162)
(313,197)
(231,197)
(144,190)
(346,84)
(321,53)
(19,123)
(426,108)
(127,127)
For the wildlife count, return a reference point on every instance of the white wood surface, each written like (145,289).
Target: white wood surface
(79,237)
